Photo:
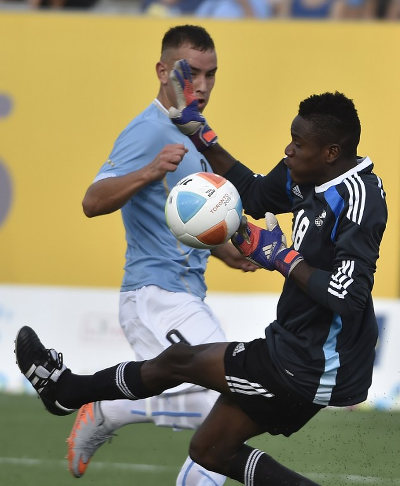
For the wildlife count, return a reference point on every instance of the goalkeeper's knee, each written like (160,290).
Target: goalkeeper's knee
(181,410)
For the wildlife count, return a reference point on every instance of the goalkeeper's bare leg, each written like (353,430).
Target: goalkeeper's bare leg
(219,443)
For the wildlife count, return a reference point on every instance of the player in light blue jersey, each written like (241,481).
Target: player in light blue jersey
(151,244)
(163,288)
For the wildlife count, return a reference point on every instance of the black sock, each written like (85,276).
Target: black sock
(252,467)
(120,381)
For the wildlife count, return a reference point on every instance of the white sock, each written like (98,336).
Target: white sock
(192,474)
(178,411)
(124,412)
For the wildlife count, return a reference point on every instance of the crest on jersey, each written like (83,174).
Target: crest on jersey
(319,220)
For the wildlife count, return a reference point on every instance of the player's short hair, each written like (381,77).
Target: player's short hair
(194,35)
(335,120)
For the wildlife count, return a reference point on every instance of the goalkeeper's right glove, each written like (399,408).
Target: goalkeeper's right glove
(186,116)
(266,248)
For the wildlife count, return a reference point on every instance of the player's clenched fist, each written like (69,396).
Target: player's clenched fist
(167,160)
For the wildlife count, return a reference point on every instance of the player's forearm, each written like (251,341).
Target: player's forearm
(316,283)
(224,252)
(220,160)
(301,274)
(231,256)
(109,195)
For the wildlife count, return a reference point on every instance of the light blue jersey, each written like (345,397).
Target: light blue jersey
(154,256)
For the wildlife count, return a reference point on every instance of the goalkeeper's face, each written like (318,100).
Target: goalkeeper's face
(308,158)
(203,66)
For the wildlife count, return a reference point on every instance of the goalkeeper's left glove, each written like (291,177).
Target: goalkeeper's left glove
(186,116)
(266,248)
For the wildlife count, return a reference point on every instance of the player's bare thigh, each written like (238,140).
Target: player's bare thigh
(202,365)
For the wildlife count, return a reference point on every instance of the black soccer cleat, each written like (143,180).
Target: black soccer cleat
(42,367)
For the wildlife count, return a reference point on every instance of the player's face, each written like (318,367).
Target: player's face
(306,158)
(203,65)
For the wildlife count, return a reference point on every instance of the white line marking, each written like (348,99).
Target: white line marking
(24,461)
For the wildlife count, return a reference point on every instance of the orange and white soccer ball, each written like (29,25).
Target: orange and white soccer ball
(203,210)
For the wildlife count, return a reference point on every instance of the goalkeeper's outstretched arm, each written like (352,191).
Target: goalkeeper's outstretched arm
(220,160)
(187,117)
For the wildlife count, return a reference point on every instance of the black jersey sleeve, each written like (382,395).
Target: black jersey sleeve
(358,235)
(262,193)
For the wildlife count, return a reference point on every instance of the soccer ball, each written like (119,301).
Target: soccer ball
(203,210)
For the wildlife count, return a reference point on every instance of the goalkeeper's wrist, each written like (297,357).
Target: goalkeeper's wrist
(286,260)
(203,138)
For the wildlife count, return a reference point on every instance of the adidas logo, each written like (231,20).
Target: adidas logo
(268,249)
(296,191)
(238,349)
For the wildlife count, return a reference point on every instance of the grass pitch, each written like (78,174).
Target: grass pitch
(337,448)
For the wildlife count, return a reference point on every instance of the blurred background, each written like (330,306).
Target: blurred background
(227,9)
(73,73)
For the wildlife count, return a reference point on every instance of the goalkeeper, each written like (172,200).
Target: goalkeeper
(320,349)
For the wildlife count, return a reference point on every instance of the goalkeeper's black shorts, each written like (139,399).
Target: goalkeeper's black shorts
(256,388)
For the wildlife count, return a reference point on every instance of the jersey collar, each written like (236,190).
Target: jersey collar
(160,106)
(365,162)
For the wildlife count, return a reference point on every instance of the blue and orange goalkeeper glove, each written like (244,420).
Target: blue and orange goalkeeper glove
(186,116)
(266,247)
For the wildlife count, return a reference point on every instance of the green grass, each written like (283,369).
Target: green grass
(338,447)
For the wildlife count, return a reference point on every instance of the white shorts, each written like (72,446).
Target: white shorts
(153,318)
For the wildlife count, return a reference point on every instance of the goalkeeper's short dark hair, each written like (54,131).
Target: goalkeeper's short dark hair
(335,120)
(194,35)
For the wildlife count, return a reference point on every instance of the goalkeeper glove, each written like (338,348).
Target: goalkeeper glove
(266,248)
(186,116)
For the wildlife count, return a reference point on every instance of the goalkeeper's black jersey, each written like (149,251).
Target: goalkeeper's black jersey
(323,341)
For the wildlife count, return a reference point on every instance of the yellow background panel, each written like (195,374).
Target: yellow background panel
(77,80)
